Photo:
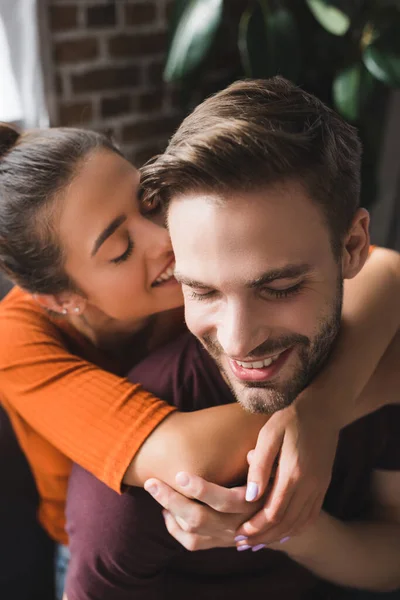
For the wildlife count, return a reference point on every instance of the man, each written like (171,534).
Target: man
(262,185)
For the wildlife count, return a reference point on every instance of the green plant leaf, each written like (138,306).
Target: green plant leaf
(269,42)
(382,55)
(330,17)
(346,92)
(194,32)
(283,44)
(178,9)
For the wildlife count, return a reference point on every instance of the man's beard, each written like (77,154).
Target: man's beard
(265,397)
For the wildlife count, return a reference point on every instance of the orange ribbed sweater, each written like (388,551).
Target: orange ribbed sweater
(66,405)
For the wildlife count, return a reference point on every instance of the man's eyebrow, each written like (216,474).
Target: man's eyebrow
(108,231)
(190,282)
(287,272)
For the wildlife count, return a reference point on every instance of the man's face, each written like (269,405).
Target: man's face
(262,288)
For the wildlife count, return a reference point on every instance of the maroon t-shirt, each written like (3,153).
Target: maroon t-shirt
(121,549)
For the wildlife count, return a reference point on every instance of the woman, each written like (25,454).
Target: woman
(95,292)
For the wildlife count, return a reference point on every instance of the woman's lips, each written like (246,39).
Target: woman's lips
(166,275)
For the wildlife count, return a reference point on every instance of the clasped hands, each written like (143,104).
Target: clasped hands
(268,511)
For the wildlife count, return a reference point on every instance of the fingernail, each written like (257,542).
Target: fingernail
(285,539)
(251,491)
(241,548)
(241,538)
(182,479)
(258,547)
(152,489)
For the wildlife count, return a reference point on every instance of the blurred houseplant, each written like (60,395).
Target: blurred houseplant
(347,52)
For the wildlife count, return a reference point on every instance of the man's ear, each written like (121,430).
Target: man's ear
(356,245)
(65,303)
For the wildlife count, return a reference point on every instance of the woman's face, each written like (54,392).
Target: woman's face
(117,251)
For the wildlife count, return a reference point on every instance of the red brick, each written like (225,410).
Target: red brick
(106,78)
(150,101)
(110,107)
(73,51)
(155,72)
(175,95)
(63,18)
(141,13)
(169,7)
(75,113)
(101,15)
(137,44)
(143,129)
(108,131)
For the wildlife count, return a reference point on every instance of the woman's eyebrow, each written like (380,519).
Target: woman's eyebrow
(108,231)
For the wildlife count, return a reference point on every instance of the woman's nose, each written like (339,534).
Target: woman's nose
(156,239)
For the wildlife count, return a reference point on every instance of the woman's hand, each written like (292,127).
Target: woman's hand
(202,515)
(305,442)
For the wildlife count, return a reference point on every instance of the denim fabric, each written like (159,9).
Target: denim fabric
(61,559)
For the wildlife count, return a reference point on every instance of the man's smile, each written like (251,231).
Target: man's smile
(260,370)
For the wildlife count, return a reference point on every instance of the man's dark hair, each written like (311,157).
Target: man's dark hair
(256,133)
(35,167)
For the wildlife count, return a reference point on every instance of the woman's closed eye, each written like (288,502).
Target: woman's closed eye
(125,255)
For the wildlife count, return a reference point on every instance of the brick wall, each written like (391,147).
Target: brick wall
(107,59)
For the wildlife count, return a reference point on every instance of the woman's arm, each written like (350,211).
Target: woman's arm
(365,553)
(79,407)
(212,443)
(371,318)
(99,420)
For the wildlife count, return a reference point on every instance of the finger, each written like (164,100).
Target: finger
(221,499)
(264,521)
(267,449)
(282,536)
(195,541)
(311,512)
(191,515)
(190,541)
(293,521)
(250,455)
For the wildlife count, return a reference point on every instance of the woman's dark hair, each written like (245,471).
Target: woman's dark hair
(34,167)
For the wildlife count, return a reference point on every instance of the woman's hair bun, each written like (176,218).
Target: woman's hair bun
(8,138)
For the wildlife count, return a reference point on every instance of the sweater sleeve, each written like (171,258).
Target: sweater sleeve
(97,419)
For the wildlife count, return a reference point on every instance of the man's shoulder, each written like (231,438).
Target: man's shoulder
(183,373)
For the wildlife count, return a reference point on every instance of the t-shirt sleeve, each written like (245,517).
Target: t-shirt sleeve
(184,374)
(97,419)
(389,457)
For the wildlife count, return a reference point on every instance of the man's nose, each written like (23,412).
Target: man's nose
(241,329)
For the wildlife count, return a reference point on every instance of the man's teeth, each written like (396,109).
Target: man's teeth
(168,273)
(259,364)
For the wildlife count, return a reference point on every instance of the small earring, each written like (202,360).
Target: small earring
(77,310)
(64,311)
